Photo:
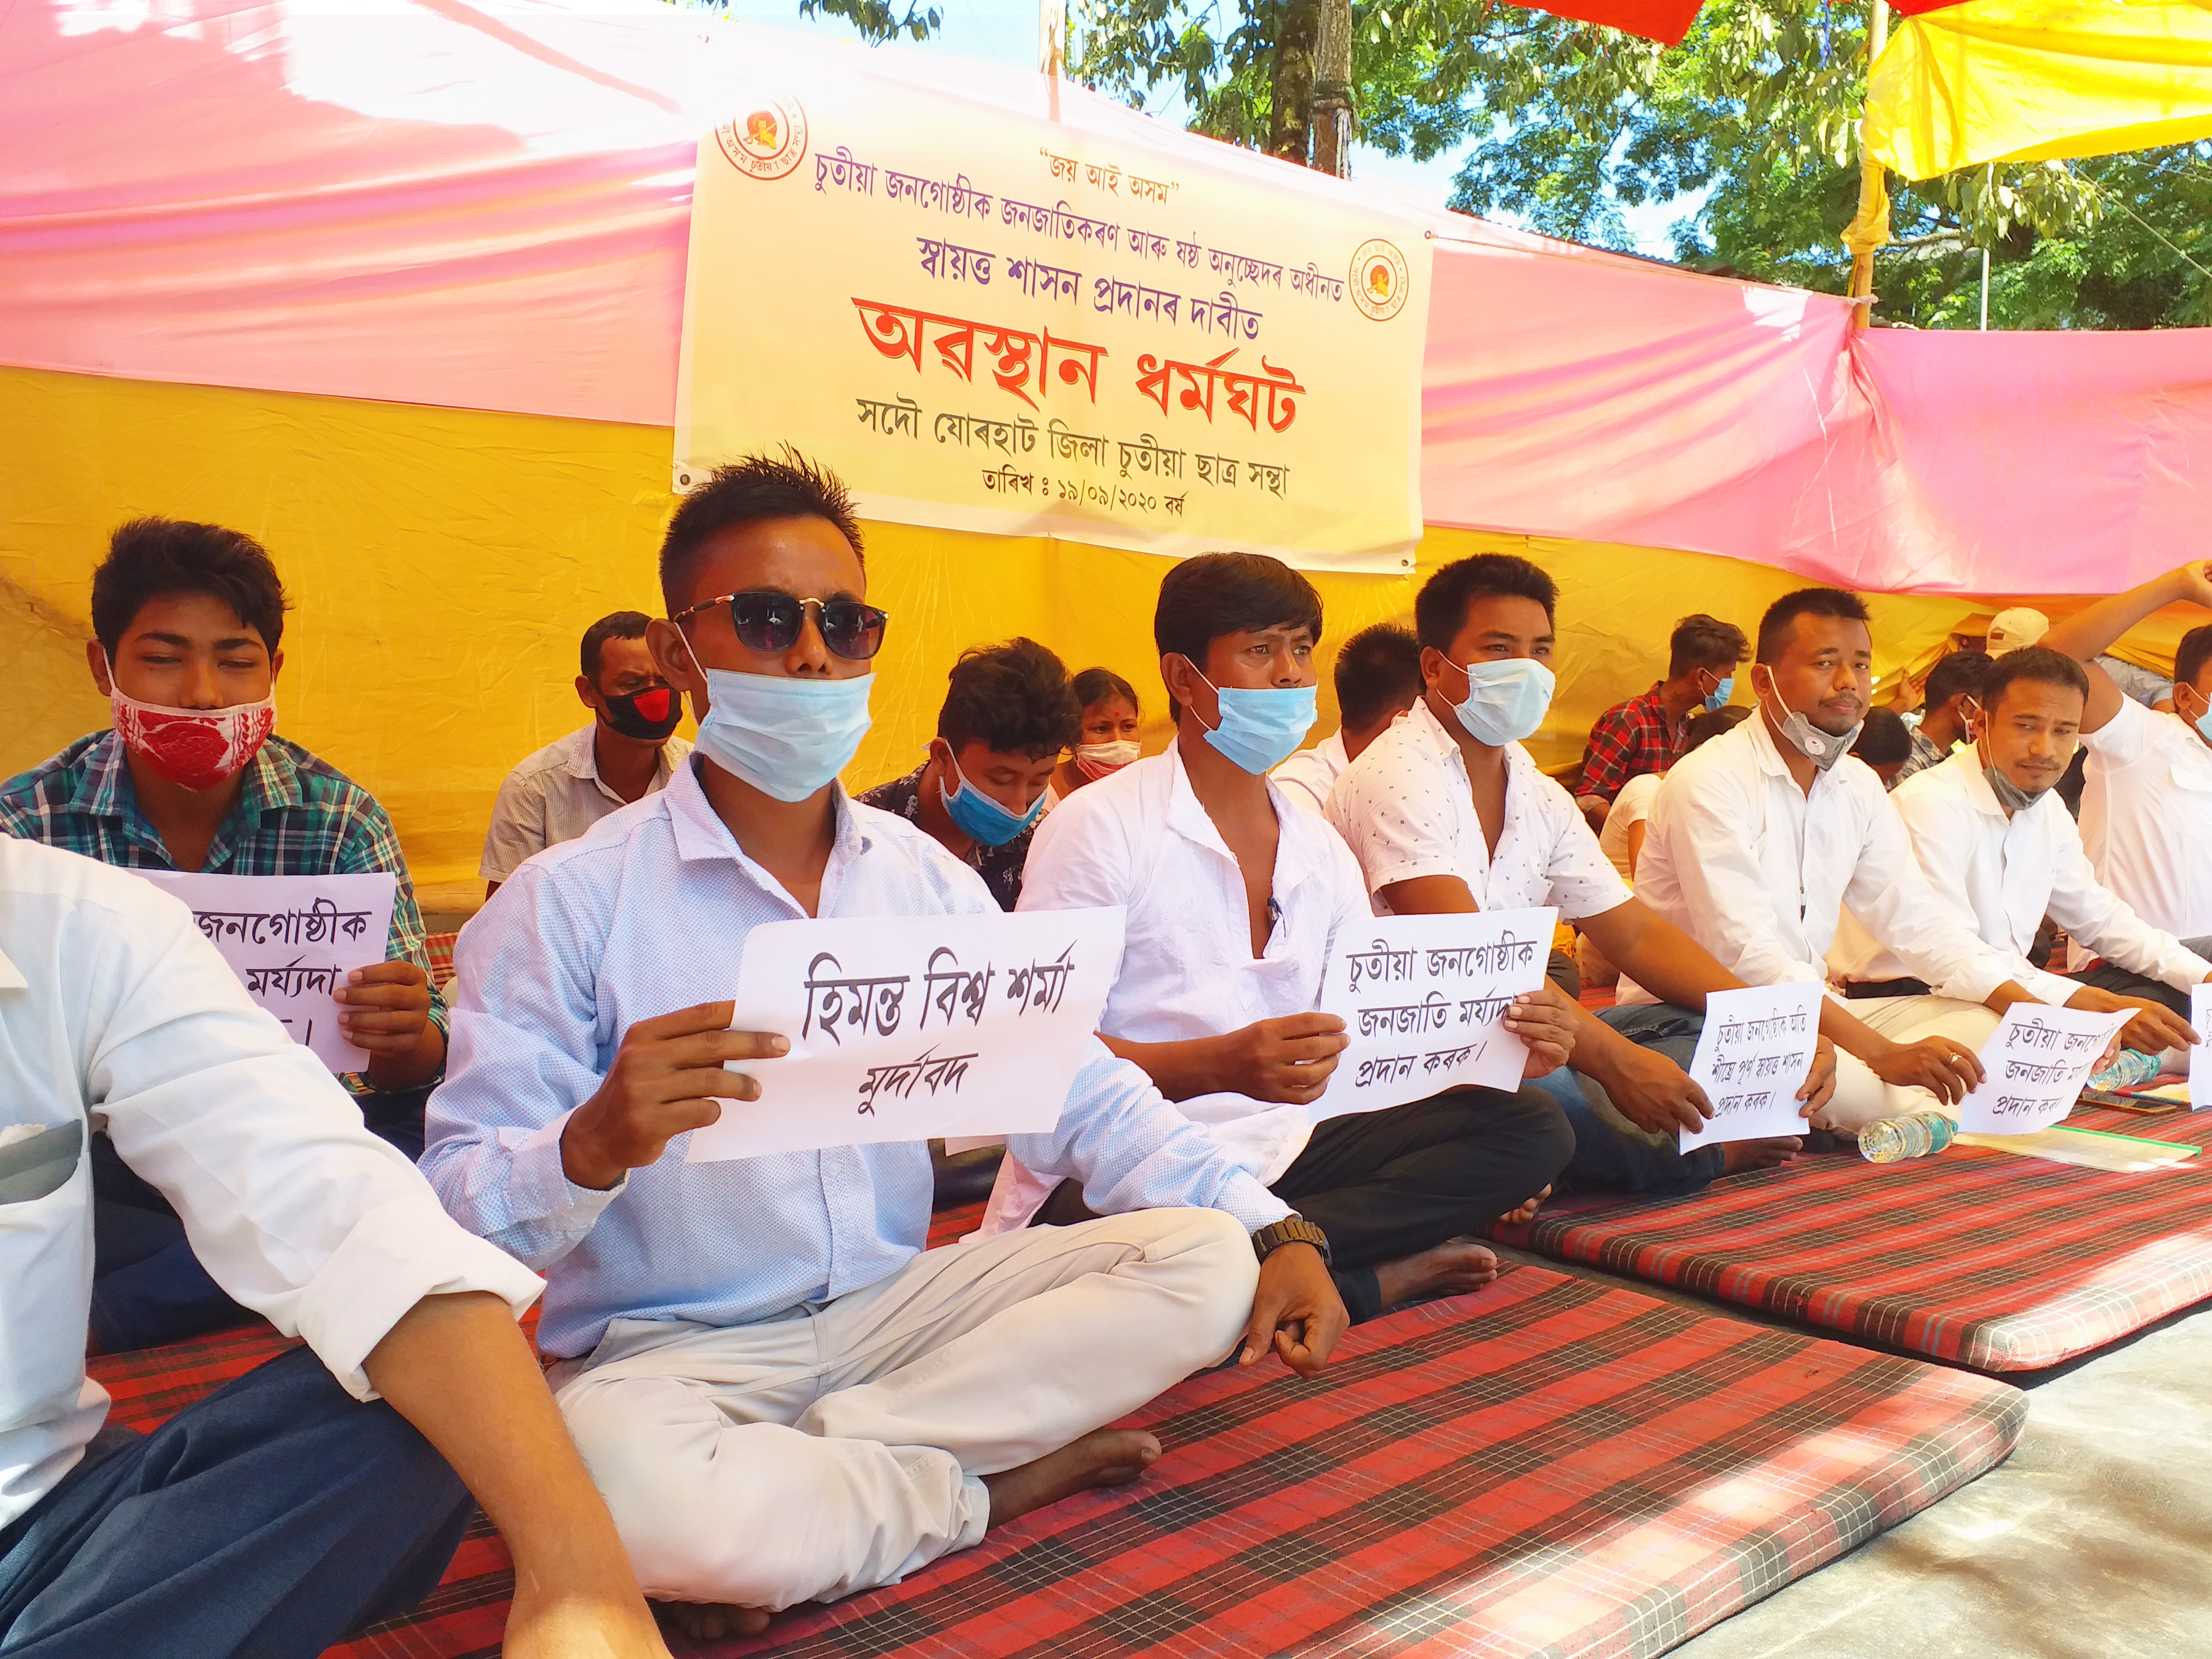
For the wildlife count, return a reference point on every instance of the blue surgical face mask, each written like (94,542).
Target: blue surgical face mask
(1718,699)
(982,820)
(1506,699)
(1260,730)
(2203,721)
(785,737)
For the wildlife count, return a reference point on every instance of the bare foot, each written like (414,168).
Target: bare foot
(1526,1211)
(1452,1268)
(1737,1156)
(709,1621)
(1104,1457)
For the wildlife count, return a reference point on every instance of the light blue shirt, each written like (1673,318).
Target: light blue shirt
(648,914)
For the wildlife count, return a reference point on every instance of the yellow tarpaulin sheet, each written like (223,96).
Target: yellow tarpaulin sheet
(443,562)
(2034,80)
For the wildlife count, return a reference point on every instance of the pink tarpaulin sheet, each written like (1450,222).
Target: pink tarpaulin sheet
(486,206)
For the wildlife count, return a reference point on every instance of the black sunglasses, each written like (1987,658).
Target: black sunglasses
(767,619)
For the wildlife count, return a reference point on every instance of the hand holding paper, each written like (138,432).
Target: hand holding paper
(2034,1066)
(2200,1057)
(668,1076)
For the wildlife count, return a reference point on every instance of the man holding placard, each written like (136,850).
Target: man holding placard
(1448,813)
(1762,839)
(188,620)
(1238,900)
(782,1394)
(1999,849)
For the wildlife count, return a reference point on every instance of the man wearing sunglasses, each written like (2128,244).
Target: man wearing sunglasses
(626,753)
(1008,714)
(782,1394)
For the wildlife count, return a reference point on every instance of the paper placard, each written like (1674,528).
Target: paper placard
(906,1028)
(1752,1057)
(292,940)
(2200,1057)
(2034,1066)
(1423,1001)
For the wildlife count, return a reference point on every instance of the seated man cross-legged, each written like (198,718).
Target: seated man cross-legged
(293,1505)
(1236,899)
(1762,838)
(782,1393)
(1999,849)
(1447,811)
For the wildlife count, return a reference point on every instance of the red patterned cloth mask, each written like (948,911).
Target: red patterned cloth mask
(195,747)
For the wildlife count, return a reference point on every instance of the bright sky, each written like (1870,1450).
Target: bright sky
(1005,32)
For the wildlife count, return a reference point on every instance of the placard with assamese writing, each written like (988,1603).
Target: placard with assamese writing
(292,940)
(905,1028)
(2034,1066)
(1423,1001)
(1752,1057)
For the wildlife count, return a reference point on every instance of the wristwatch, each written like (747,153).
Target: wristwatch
(1292,1229)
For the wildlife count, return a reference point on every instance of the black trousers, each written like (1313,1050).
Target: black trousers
(2123,983)
(1388,1184)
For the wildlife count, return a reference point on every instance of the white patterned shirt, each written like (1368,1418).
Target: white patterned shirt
(1407,809)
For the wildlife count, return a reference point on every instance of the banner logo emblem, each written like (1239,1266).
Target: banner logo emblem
(1380,281)
(769,141)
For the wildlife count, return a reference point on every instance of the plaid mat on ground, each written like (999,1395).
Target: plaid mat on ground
(1985,1259)
(1552,1468)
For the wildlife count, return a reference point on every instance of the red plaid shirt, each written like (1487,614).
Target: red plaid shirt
(1629,739)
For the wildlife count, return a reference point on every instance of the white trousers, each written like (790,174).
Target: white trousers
(1861,1097)
(837,1448)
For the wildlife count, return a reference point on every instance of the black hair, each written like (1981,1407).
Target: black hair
(1096,685)
(614,625)
(2033,662)
(1703,642)
(1962,672)
(1378,671)
(1885,739)
(148,558)
(1440,608)
(1708,724)
(1010,697)
(1216,593)
(2191,654)
(747,491)
(1774,626)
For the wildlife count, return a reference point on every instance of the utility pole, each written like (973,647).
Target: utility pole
(1332,91)
(1869,229)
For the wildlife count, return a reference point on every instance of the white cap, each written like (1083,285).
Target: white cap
(2011,629)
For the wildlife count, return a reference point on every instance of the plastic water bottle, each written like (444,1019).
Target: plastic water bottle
(1895,1139)
(2131,1067)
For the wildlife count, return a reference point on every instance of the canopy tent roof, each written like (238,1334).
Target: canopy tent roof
(486,207)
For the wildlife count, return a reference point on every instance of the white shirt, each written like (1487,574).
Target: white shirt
(1140,838)
(2147,817)
(555,796)
(116,1014)
(2002,875)
(1407,809)
(1308,775)
(650,913)
(1757,871)
(1630,807)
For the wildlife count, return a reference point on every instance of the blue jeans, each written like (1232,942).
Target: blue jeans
(1612,1155)
(272,1519)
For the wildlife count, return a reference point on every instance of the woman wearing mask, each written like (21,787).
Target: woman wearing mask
(1107,741)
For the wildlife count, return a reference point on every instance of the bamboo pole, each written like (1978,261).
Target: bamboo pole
(1869,229)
